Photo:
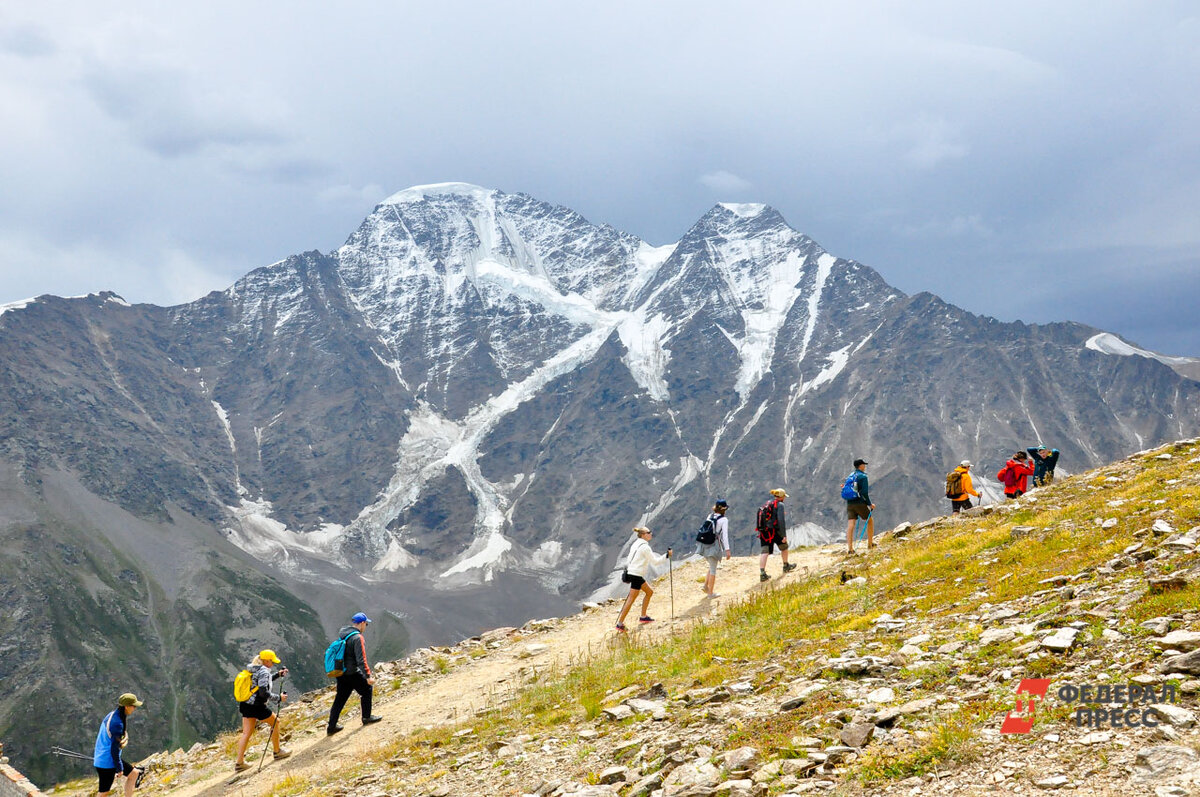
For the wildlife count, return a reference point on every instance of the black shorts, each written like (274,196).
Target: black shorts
(635,582)
(1014,494)
(963,504)
(107,776)
(769,547)
(856,511)
(255,711)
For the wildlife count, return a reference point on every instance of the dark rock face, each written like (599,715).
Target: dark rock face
(481,393)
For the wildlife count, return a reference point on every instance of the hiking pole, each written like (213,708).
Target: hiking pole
(671,579)
(274,728)
(62,752)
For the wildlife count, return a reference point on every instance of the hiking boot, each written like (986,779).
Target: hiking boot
(787,568)
(332,729)
(371,719)
(620,628)
(240,766)
(763,576)
(646,619)
(282,752)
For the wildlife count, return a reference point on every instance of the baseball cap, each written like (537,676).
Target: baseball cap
(966,463)
(858,462)
(779,492)
(721,502)
(360,618)
(128,699)
(268,657)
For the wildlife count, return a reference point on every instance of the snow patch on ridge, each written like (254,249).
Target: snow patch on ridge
(419,193)
(1108,343)
(745,210)
(19,305)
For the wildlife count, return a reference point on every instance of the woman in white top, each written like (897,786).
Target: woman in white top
(641,558)
(719,547)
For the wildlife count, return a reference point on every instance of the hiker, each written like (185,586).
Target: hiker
(772,532)
(1014,475)
(858,504)
(713,542)
(255,709)
(111,739)
(356,675)
(959,487)
(1044,460)
(641,558)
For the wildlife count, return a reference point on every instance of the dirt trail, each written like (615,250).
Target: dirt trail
(475,683)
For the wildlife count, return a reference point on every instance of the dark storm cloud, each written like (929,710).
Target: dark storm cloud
(1035,161)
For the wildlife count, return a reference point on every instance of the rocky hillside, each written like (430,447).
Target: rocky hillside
(896,672)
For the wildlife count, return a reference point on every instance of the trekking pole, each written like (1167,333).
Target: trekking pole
(274,728)
(671,579)
(62,752)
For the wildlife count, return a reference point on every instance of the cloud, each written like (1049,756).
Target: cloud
(367,195)
(929,142)
(724,182)
(956,227)
(26,41)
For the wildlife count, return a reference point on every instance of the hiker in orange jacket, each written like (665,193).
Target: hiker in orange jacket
(963,499)
(1015,474)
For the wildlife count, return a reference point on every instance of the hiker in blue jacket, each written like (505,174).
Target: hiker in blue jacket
(860,507)
(357,676)
(1044,460)
(110,740)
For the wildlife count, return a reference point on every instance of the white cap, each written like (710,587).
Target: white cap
(966,463)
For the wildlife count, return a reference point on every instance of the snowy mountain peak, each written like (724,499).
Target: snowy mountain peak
(419,193)
(747,210)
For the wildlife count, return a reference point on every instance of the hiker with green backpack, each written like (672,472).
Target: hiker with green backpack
(959,487)
(252,690)
(346,660)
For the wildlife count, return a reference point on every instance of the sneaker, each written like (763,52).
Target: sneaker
(789,568)
(371,719)
(714,594)
(763,576)
(282,752)
(331,730)
(620,628)
(240,766)
(646,619)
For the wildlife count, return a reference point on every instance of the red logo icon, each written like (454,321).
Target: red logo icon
(1020,719)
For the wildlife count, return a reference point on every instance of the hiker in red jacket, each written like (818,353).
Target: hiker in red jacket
(1014,475)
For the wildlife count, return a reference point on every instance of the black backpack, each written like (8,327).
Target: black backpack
(707,534)
(766,524)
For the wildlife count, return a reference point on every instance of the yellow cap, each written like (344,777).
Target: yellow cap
(268,657)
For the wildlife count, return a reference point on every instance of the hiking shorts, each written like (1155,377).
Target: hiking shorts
(255,711)
(107,775)
(769,547)
(713,561)
(855,511)
(1014,494)
(635,582)
(960,505)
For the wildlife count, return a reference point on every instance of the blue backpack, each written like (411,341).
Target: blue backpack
(335,656)
(850,487)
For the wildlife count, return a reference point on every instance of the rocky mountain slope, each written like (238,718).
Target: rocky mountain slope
(455,417)
(906,671)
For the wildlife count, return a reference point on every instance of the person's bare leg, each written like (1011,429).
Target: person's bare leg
(710,583)
(248,725)
(273,722)
(131,782)
(850,535)
(783,555)
(629,599)
(870,533)
(762,562)
(647,594)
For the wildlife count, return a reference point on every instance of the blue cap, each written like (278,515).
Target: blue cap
(721,502)
(360,618)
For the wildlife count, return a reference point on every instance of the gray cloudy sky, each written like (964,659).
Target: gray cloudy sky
(1037,163)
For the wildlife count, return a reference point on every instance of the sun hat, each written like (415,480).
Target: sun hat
(779,493)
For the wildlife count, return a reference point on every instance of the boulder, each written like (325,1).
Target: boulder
(743,759)
(1162,760)
(857,734)
(1173,715)
(994,635)
(1061,640)
(1180,640)
(1188,663)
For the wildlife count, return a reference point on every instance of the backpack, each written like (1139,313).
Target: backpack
(335,656)
(850,487)
(954,484)
(707,534)
(1007,476)
(766,524)
(243,686)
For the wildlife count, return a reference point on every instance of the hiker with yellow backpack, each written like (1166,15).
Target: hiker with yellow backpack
(959,487)
(252,690)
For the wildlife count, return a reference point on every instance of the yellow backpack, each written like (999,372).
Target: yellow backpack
(243,686)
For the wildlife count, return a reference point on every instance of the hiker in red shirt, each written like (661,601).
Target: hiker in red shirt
(1015,474)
